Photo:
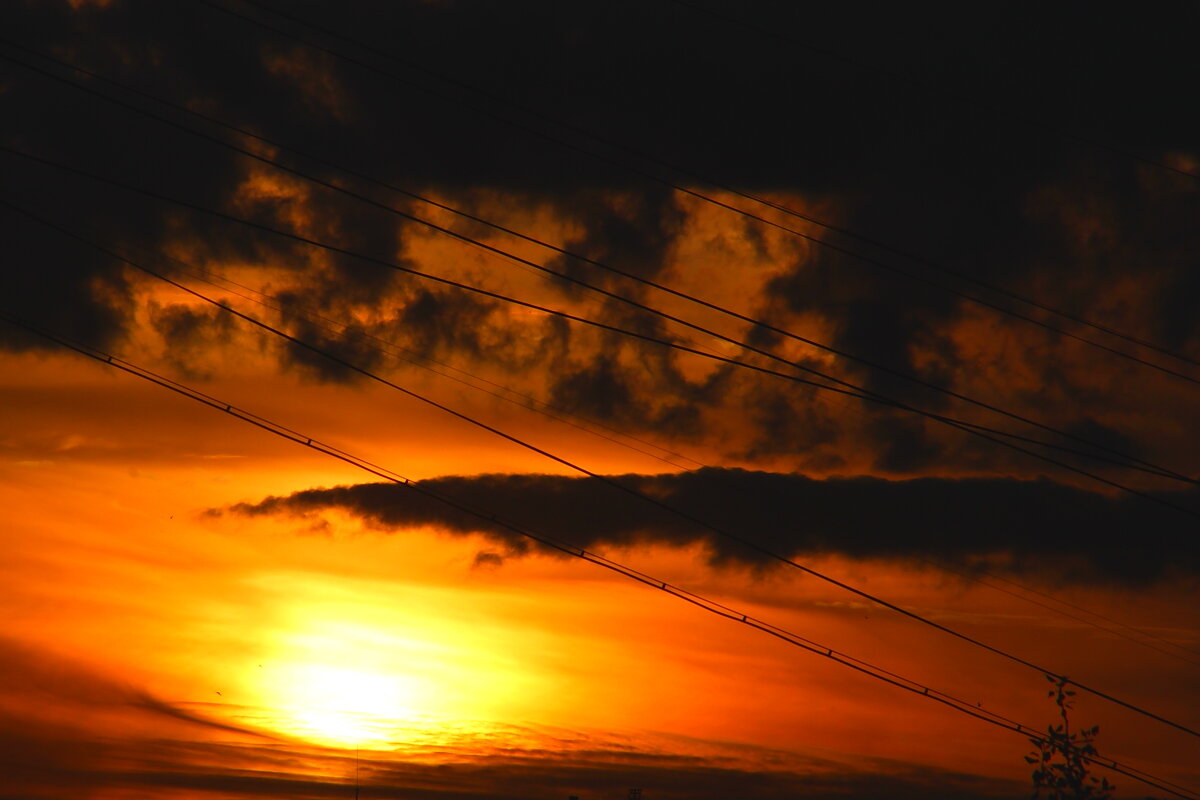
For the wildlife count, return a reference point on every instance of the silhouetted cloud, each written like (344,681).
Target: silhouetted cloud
(941,161)
(734,112)
(635,232)
(1025,526)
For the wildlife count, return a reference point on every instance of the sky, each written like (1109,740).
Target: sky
(873,328)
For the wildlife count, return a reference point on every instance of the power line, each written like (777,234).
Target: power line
(700,601)
(1118,623)
(976,430)
(973,574)
(500,391)
(1162,472)
(969,575)
(1152,468)
(532,404)
(716,184)
(761,200)
(608,481)
(853,390)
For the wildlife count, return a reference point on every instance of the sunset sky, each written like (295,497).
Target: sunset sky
(874,323)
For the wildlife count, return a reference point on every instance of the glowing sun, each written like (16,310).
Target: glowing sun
(349,684)
(345,667)
(344,706)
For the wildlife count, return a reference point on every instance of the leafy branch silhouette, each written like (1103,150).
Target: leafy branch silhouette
(1061,756)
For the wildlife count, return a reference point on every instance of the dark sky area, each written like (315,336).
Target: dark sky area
(963,236)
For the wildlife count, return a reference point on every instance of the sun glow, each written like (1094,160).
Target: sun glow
(345,683)
(364,665)
(343,706)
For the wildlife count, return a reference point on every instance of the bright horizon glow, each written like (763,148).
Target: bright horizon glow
(344,683)
(341,671)
(197,608)
(340,706)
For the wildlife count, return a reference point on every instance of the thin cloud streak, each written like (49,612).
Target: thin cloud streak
(64,726)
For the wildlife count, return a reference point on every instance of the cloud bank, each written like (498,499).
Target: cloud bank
(970,184)
(1024,526)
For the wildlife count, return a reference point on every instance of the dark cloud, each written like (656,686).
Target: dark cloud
(334,351)
(1033,527)
(633,233)
(437,323)
(732,103)
(486,559)
(53,280)
(1105,436)
(630,383)
(189,333)
(610,774)
(878,316)
(946,144)
(783,423)
(173,769)
(905,445)
(600,390)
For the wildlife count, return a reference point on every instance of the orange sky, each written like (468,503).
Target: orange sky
(195,608)
(326,632)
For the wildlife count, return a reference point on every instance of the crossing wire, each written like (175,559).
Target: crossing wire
(765,202)
(505,393)
(527,401)
(715,184)
(976,430)
(853,390)
(975,573)
(700,601)
(530,404)
(615,484)
(1145,465)
(969,575)
(499,390)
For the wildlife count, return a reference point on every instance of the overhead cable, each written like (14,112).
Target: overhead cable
(742,540)
(875,397)
(859,665)
(715,184)
(1145,465)
(427,362)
